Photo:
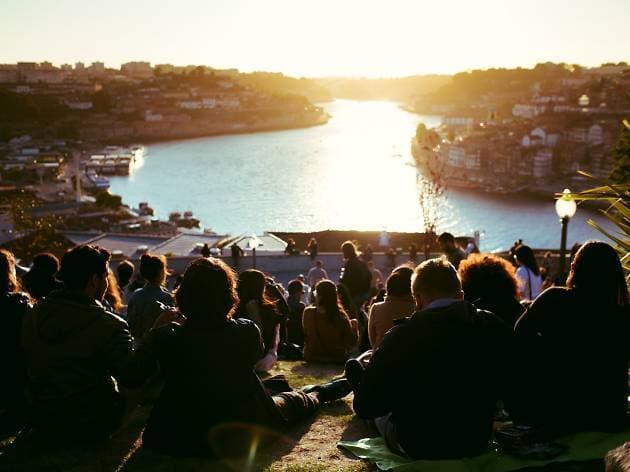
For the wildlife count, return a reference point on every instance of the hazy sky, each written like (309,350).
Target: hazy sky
(318,37)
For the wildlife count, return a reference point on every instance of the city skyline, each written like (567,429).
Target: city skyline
(296,38)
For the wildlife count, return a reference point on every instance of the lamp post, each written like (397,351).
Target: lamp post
(253,243)
(565,209)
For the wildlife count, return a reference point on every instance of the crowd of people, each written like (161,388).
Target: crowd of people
(432,353)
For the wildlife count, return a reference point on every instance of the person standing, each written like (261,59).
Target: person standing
(355,276)
(316,274)
(528,273)
(451,250)
(313,249)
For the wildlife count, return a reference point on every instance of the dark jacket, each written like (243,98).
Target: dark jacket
(295,333)
(73,347)
(439,373)
(143,309)
(13,308)
(356,276)
(573,373)
(209,383)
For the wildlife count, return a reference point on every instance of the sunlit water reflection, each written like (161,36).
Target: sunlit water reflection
(355,172)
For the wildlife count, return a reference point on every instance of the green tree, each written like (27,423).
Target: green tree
(621,155)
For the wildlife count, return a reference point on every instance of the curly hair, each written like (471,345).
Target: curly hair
(207,290)
(488,278)
(8,280)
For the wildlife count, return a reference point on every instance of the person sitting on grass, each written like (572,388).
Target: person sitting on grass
(40,280)
(295,333)
(433,383)
(78,354)
(13,307)
(329,334)
(398,303)
(489,282)
(212,395)
(573,374)
(143,307)
(256,305)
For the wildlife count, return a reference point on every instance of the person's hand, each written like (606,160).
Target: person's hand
(168,315)
(266,363)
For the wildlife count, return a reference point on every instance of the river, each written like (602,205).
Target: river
(356,172)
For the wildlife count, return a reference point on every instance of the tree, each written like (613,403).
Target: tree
(621,155)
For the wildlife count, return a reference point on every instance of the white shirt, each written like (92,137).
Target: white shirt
(525,276)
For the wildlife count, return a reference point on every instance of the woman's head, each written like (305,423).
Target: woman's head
(8,279)
(207,290)
(596,272)
(153,268)
(251,285)
(327,299)
(525,257)
(399,282)
(488,278)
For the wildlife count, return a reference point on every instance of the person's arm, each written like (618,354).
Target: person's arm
(130,367)
(375,395)
(372,327)
(352,334)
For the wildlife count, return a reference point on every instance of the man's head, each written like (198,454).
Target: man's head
(319,264)
(435,279)
(153,268)
(125,271)
(84,269)
(296,288)
(447,242)
(348,249)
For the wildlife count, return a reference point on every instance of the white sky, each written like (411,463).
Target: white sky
(318,38)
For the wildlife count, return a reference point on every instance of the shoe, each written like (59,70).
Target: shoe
(354,372)
(330,391)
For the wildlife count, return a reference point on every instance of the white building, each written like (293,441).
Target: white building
(595,135)
(138,69)
(527,111)
(456,156)
(542,163)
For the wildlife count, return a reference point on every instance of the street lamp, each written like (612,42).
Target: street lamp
(565,209)
(253,243)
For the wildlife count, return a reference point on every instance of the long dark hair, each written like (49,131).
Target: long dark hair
(596,274)
(525,256)
(251,286)
(327,299)
(8,281)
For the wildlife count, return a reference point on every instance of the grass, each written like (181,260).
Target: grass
(308,446)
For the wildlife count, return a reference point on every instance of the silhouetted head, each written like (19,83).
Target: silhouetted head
(446,241)
(348,249)
(399,282)
(596,275)
(525,256)
(153,268)
(8,280)
(319,264)
(435,279)
(488,278)
(295,288)
(85,269)
(207,290)
(125,271)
